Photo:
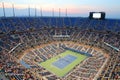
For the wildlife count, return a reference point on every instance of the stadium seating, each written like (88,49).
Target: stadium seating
(31,40)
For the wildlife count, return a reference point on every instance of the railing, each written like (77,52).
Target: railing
(78,51)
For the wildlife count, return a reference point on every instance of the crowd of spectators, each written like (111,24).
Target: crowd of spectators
(14,40)
(98,39)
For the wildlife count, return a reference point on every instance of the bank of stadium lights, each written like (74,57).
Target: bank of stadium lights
(59,12)
(13,10)
(29,10)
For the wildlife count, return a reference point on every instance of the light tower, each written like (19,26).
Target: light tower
(59,12)
(41,12)
(35,11)
(53,12)
(3,9)
(66,12)
(29,10)
(13,10)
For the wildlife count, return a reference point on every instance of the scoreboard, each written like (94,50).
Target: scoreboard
(97,15)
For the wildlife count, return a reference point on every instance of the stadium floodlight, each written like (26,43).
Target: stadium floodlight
(13,10)
(3,9)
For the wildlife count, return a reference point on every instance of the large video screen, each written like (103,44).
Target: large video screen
(97,15)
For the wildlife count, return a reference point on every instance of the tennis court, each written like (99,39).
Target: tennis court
(63,62)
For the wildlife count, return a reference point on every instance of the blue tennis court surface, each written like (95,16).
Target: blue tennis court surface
(63,62)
